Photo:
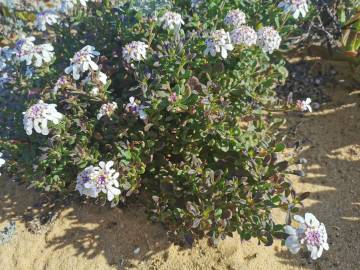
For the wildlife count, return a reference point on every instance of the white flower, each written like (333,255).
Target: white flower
(134,51)
(38,115)
(47,17)
(107,109)
(29,72)
(84,182)
(26,51)
(311,233)
(83,2)
(2,63)
(82,62)
(134,108)
(268,39)
(5,55)
(101,77)
(235,18)
(304,105)
(25,44)
(43,53)
(142,114)
(2,161)
(296,7)
(67,5)
(171,20)
(59,84)
(94,91)
(244,35)
(219,41)
(8,53)
(25,48)
(93,180)
(4,79)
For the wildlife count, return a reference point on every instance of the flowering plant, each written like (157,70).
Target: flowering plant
(173,101)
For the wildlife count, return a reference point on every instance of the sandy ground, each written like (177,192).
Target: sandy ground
(92,237)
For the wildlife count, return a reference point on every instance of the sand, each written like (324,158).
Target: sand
(90,237)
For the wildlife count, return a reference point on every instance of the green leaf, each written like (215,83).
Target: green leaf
(245,235)
(267,239)
(279,147)
(218,213)
(108,83)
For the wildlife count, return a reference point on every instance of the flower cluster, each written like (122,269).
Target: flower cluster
(311,233)
(38,115)
(171,20)
(27,51)
(46,17)
(82,62)
(107,109)
(173,97)
(96,179)
(134,108)
(244,35)
(295,7)
(134,51)
(235,18)
(219,42)
(268,39)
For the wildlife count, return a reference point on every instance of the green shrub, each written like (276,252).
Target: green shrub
(188,131)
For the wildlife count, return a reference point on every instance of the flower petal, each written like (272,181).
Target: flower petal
(311,220)
(299,219)
(292,243)
(290,230)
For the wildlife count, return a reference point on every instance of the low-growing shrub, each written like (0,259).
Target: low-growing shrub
(163,101)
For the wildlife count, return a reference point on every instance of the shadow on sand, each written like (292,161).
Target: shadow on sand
(330,141)
(121,235)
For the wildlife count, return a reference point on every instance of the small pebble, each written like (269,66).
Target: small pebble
(315,105)
(136,251)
